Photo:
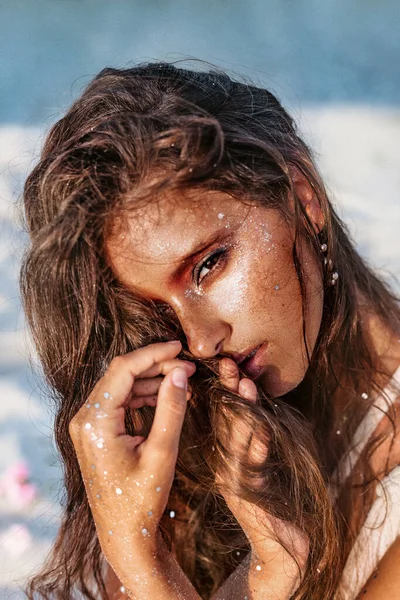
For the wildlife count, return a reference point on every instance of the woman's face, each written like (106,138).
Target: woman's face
(238,291)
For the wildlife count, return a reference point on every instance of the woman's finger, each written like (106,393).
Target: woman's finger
(168,418)
(229,373)
(146,387)
(248,389)
(149,400)
(105,406)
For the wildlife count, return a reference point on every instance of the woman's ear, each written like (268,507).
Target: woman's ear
(307,197)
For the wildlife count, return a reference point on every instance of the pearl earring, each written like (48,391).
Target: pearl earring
(334,276)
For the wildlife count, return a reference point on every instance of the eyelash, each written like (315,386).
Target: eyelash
(220,252)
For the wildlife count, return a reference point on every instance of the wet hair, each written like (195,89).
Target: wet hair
(133,135)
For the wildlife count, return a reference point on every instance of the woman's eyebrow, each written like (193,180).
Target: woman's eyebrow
(198,249)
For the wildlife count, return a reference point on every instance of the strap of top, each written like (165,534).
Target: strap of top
(364,431)
(382,524)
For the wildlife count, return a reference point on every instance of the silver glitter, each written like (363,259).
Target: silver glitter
(122,589)
(221,215)
(258,568)
(158,489)
(364,396)
(110,532)
(172,514)
(277,287)
(100,444)
(88,405)
(105,472)
(88,426)
(118,491)
(90,481)
(98,496)
(106,395)
(164,429)
(93,467)
(144,531)
(97,405)
(150,513)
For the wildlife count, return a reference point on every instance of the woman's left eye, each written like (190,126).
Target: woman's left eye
(209,263)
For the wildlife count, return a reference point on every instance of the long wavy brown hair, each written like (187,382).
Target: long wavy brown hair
(132,135)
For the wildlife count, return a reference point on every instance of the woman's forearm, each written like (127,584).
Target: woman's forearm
(254,579)
(157,577)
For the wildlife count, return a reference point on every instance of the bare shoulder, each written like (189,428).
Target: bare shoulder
(385,582)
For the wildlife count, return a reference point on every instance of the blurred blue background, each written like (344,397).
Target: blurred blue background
(310,50)
(333,63)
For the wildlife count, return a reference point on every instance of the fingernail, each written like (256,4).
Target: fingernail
(191,364)
(179,378)
(173,342)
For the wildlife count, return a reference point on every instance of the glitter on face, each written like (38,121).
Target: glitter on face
(164,429)
(90,481)
(277,287)
(106,395)
(98,496)
(258,568)
(172,514)
(118,491)
(88,405)
(93,467)
(144,531)
(122,589)
(221,215)
(100,444)
(97,405)
(158,489)
(88,426)
(150,513)
(110,532)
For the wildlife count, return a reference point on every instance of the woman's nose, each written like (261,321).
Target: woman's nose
(204,345)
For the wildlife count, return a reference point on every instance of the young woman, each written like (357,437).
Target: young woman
(225,365)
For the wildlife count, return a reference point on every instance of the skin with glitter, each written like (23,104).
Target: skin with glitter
(140,471)
(248,292)
(254,246)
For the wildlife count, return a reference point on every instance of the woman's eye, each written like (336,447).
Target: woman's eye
(208,264)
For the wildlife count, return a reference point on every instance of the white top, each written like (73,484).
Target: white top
(382,524)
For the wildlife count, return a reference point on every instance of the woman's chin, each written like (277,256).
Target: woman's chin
(274,385)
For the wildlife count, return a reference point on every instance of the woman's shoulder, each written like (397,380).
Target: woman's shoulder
(381,527)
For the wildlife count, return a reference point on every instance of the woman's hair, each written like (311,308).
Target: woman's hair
(133,135)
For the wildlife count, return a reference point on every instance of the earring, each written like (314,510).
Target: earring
(332,274)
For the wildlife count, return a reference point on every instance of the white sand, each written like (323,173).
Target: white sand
(358,152)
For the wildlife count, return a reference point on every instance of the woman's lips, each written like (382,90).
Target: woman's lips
(254,366)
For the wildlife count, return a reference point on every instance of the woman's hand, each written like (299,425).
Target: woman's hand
(128,479)
(269,571)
